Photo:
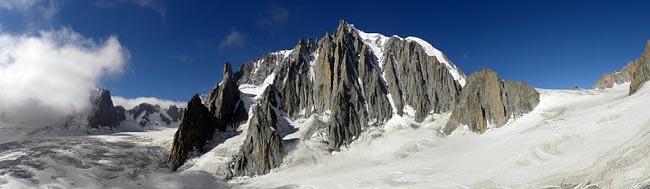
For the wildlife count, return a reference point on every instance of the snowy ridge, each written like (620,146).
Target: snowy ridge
(377,43)
(284,53)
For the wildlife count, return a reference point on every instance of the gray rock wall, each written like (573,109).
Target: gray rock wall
(196,129)
(262,148)
(103,113)
(487,99)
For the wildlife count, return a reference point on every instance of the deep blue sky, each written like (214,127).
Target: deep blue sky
(178,47)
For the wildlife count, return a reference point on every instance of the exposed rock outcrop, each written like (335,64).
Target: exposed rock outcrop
(121,113)
(407,69)
(175,113)
(293,79)
(224,103)
(262,148)
(641,68)
(618,77)
(489,101)
(357,79)
(196,129)
(103,113)
(343,71)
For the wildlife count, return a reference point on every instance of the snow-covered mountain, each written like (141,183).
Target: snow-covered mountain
(353,110)
(350,83)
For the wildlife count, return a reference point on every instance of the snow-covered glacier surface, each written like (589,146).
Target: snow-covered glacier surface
(573,139)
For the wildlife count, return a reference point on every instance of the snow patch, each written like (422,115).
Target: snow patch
(312,63)
(284,53)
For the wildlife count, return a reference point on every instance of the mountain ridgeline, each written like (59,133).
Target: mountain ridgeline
(105,115)
(636,73)
(357,80)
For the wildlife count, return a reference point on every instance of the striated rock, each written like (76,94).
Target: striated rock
(293,79)
(621,76)
(641,68)
(103,112)
(342,73)
(407,68)
(196,129)
(262,148)
(224,102)
(488,101)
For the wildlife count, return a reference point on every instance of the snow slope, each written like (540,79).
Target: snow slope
(377,43)
(574,138)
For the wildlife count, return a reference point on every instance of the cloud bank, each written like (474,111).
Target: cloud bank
(129,103)
(52,73)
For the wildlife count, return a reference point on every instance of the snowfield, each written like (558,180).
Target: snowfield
(573,139)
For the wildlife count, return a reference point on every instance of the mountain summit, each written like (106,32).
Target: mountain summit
(351,80)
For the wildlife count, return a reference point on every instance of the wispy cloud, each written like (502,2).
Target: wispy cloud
(155,5)
(44,9)
(274,14)
(233,39)
(52,74)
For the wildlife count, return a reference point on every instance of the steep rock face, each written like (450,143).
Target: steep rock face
(103,112)
(256,71)
(121,113)
(345,71)
(348,82)
(224,102)
(293,79)
(407,69)
(487,100)
(175,113)
(641,68)
(196,129)
(262,148)
(618,77)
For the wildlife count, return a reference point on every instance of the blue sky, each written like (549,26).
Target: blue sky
(177,48)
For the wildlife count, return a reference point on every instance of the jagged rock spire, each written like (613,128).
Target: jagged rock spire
(104,114)
(262,149)
(223,101)
(196,129)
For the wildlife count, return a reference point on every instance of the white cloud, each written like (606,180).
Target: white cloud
(129,103)
(53,73)
(17,4)
(233,39)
